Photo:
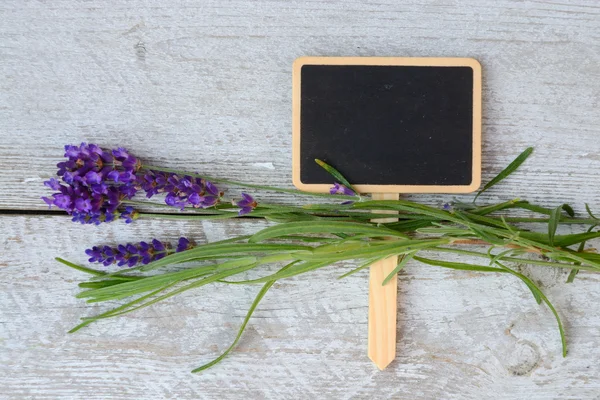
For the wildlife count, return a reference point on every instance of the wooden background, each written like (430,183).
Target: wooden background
(206,85)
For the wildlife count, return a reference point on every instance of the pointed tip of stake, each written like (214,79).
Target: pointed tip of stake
(384,361)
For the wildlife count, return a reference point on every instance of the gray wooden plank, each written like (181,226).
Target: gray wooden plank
(461,335)
(207,85)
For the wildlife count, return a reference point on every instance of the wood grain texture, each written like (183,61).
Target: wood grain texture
(207,86)
(463,335)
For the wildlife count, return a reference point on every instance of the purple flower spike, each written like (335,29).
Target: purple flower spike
(129,254)
(180,191)
(338,188)
(247,204)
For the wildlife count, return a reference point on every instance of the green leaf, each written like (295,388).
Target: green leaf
(296,269)
(336,174)
(497,207)
(405,259)
(100,284)
(572,275)
(575,271)
(568,240)
(553,223)
(561,240)
(512,167)
(450,230)
(338,247)
(255,303)
(116,310)
(500,256)
(539,294)
(488,237)
(407,226)
(219,251)
(569,210)
(458,266)
(360,268)
(480,230)
(419,210)
(291,217)
(587,208)
(381,249)
(81,268)
(294,228)
(152,282)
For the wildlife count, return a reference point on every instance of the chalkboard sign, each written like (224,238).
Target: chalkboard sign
(390,125)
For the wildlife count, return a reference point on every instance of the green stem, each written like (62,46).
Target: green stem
(188,216)
(512,259)
(582,221)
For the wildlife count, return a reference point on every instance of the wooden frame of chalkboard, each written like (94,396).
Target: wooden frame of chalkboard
(464,186)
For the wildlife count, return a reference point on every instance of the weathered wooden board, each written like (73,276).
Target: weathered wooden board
(461,335)
(207,85)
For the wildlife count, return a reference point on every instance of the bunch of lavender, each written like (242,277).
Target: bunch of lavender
(98,185)
(316,235)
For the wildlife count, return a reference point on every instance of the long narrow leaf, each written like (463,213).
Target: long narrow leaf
(365,265)
(581,247)
(377,250)
(587,208)
(80,268)
(553,224)
(255,303)
(458,266)
(512,167)
(294,228)
(336,174)
(405,259)
(115,310)
(543,297)
(150,283)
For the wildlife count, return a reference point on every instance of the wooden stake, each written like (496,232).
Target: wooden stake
(383,302)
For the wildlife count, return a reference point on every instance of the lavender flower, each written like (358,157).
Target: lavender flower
(183,244)
(338,188)
(103,254)
(92,165)
(181,191)
(97,181)
(126,160)
(87,205)
(247,204)
(132,254)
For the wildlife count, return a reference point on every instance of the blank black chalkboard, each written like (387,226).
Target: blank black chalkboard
(388,125)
